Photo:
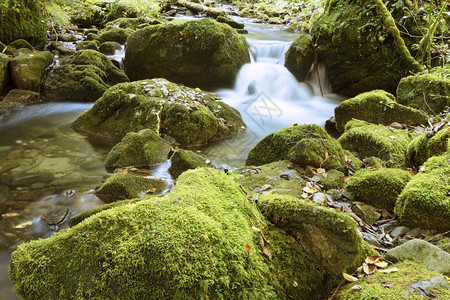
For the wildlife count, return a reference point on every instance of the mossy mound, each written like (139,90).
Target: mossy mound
(424,202)
(22,19)
(20,43)
(276,146)
(88,15)
(122,9)
(115,34)
(85,76)
(133,23)
(332,179)
(428,92)
(191,117)
(29,70)
(109,48)
(377,107)
(330,237)
(423,147)
(318,153)
(183,160)
(139,149)
(84,45)
(121,186)
(376,140)
(378,187)
(398,285)
(274,178)
(196,242)
(300,56)
(201,53)
(4,73)
(361,47)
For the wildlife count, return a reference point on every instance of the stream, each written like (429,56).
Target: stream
(47,168)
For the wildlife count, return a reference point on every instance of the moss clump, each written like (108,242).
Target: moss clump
(276,146)
(191,117)
(28,70)
(377,107)
(332,179)
(207,54)
(121,186)
(374,163)
(115,34)
(110,48)
(424,202)
(88,15)
(376,140)
(138,149)
(330,237)
(192,244)
(132,23)
(423,147)
(361,47)
(131,9)
(378,187)
(300,56)
(319,153)
(4,73)
(21,43)
(183,160)
(84,45)
(399,283)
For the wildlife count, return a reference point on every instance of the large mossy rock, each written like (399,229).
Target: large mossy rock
(83,77)
(378,187)
(29,70)
(376,140)
(22,19)
(377,107)
(143,148)
(202,53)
(428,92)
(423,147)
(300,57)
(4,73)
(183,160)
(361,47)
(330,237)
(115,34)
(191,117)
(196,242)
(425,201)
(276,146)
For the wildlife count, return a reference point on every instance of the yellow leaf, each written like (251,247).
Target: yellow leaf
(390,270)
(371,259)
(349,277)
(309,190)
(320,171)
(381,264)
(366,269)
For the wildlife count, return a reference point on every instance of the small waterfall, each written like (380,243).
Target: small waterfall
(264,51)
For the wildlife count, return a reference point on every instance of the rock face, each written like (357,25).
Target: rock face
(183,160)
(378,187)
(83,77)
(28,70)
(4,73)
(361,47)
(203,53)
(138,149)
(424,202)
(300,57)
(191,117)
(377,107)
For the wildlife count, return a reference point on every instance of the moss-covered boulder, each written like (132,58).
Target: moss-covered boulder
(201,53)
(16,99)
(22,19)
(411,281)
(115,34)
(377,107)
(196,242)
(428,92)
(139,149)
(276,146)
(361,47)
(116,9)
(122,186)
(183,160)
(89,15)
(300,56)
(84,45)
(425,201)
(29,70)
(133,23)
(376,140)
(83,77)
(378,187)
(330,237)
(424,146)
(110,48)
(191,117)
(20,43)
(4,73)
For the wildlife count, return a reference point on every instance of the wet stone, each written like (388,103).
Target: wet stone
(367,213)
(399,231)
(320,198)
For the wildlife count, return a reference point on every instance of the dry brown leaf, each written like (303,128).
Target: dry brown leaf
(410,171)
(320,171)
(366,269)
(371,259)
(309,190)
(349,277)
(249,249)
(326,154)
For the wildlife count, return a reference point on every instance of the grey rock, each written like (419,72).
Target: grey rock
(399,231)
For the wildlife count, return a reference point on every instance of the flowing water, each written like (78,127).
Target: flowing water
(47,168)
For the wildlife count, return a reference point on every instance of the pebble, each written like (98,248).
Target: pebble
(399,231)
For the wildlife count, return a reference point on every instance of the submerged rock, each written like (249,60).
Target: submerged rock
(361,47)
(377,107)
(29,70)
(183,160)
(300,57)
(201,53)
(18,98)
(191,117)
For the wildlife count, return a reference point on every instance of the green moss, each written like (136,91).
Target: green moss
(332,179)
(110,48)
(4,73)
(423,147)
(183,160)
(131,23)
(376,140)
(374,163)
(131,9)
(88,15)
(115,34)
(21,43)
(395,285)
(378,187)
(424,202)
(276,146)
(84,45)
(377,107)
(444,244)
(28,70)
(300,56)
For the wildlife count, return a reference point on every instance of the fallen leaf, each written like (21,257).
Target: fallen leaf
(320,171)
(124,171)
(366,269)
(309,190)
(371,259)
(381,264)
(349,277)
(390,270)
(249,249)
(356,287)
(410,171)
(326,154)
(264,243)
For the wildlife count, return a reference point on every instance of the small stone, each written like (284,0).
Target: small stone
(320,198)
(367,213)
(399,231)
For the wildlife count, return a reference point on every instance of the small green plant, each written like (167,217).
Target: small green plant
(387,103)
